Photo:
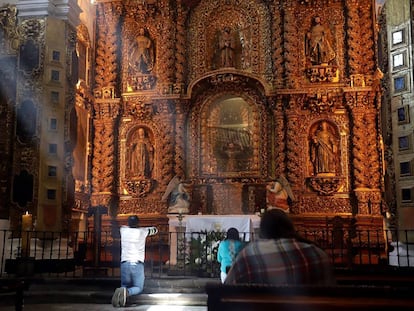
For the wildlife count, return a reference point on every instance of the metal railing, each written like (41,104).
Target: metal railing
(78,254)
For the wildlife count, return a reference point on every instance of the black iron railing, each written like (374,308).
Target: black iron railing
(182,253)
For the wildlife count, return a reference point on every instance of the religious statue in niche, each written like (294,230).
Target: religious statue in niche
(178,197)
(141,155)
(320,54)
(324,150)
(318,48)
(141,61)
(227,47)
(142,53)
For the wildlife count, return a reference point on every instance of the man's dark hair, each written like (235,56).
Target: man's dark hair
(133,221)
(276,224)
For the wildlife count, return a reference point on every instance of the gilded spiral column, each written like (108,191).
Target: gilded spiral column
(104,153)
(166,45)
(365,152)
(165,147)
(181,113)
(180,44)
(291,46)
(106,51)
(278,142)
(277,48)
(106,107)
(354,32)
(367,38)
(360,30)
(293,151)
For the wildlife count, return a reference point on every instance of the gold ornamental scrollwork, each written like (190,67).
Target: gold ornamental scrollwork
(321,102)
(325,185)
(322,73)
(139,188)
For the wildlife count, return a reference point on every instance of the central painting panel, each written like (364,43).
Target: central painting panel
(227,140)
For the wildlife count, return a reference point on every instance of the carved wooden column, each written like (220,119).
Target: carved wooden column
(180,46)
(291,45)
(293,150)
(365,152)
(361,56)
(166,45)
(104,153)
(277,39)
(181,113)
(165,148)
(278,142)
(106,107)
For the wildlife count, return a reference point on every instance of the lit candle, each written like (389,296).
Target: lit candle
(26,228)
(27,222)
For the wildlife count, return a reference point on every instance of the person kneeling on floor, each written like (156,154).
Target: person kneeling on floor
(133,241)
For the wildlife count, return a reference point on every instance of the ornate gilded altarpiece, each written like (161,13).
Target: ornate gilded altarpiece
(230,94)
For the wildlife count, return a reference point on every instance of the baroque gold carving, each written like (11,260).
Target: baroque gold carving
(286,95)
(9,36)
(325,185)
(106,58)
(321,102)
(210,18)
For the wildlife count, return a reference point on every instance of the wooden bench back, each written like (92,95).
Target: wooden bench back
(308,298)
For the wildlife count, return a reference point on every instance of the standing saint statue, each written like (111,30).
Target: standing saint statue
(142,53)
(141,155)
(317,46)
(227,47)
(323,150)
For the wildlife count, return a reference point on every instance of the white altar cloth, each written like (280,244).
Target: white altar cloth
(246,224)
(219,223)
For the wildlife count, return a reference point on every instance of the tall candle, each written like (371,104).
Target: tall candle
(27,222)
(26,228)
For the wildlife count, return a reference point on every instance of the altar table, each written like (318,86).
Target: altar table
(245,224)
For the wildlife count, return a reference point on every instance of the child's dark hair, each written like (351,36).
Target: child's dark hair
(233,234)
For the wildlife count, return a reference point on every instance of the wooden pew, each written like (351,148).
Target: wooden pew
(307,298)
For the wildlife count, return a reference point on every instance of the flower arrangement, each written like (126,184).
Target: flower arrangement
(203,249)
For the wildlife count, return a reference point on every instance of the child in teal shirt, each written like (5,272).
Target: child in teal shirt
(227,251)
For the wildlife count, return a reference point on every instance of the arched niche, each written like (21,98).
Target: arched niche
(140,153)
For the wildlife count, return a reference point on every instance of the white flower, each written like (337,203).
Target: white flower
(197,261)
(215,244)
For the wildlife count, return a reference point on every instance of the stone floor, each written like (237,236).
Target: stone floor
(172,294)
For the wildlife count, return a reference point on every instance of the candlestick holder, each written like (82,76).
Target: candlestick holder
(180,243)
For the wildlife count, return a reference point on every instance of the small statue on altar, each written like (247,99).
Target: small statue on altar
(278,193)
(178,197)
